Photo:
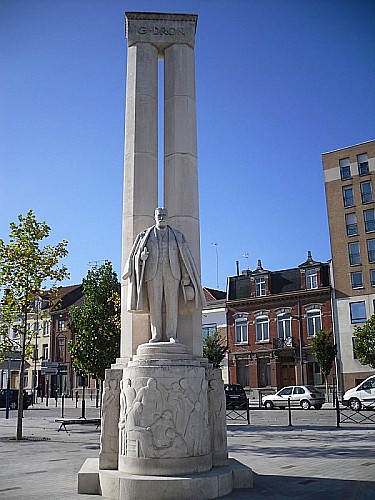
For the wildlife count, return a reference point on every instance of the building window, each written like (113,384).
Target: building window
(358,312)
(283,326)
(311,279)
(354,255)
(362,161)
(371,250)
(260,287)
(264,372)
(45,351)
(242,372)
(366,192)
(372,277)
(357,279)
(209,329)
(348,195)
(60,325)
(46,328)
(351,224)
(369,218)
(345,169)
(262,329)
(61,349)
(241,331)
(314,322)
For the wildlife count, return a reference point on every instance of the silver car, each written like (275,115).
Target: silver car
(303,396)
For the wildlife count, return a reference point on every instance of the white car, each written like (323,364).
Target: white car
(361,396)
(303,396)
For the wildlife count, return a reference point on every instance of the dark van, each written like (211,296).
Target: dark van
(13,400)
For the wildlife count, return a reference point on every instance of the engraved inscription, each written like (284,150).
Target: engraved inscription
(160,30)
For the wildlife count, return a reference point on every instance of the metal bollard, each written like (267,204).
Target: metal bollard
(62,405)
(97,398)
(47,394)
(289,414)
(83,415)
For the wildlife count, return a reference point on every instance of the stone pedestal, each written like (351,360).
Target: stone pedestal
(166,419)
(172,430)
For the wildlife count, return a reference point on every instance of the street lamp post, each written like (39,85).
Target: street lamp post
(300,335)
(217,264)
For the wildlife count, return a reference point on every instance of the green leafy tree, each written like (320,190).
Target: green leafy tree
(364,345)
(214,348)
(95,325)
(25,266)
(324,350)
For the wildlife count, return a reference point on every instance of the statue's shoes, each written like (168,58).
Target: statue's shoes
(154,340)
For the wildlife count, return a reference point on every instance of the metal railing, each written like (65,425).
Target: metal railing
(238,412)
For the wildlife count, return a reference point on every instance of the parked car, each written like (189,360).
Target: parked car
(13,400)
(303,396)
(235,397)
(361,396)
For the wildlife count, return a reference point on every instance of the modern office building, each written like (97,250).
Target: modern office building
(349,183)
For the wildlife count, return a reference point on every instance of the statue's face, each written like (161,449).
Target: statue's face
(161,219)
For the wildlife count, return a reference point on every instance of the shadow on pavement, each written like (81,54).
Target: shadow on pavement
(266,486)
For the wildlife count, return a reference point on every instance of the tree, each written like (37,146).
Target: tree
(364,344)
(214,348)
(324,350)
(25,266)
(95,325)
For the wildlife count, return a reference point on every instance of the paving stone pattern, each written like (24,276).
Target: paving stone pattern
(308,460)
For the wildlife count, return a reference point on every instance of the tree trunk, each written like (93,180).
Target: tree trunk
(21,379)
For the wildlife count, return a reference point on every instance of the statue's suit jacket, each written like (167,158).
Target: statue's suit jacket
(178,250)
(153,257)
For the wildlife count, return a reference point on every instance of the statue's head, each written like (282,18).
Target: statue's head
(161,215)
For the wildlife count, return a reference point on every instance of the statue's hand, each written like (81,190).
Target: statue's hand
(144,254)
(185,281)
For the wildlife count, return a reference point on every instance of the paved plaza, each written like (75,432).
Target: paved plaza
(311,459)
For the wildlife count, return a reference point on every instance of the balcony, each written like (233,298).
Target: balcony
(287,343)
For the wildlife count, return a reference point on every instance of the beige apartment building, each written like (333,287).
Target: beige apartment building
(349,177)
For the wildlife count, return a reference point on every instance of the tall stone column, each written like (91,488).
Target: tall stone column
(170,37)
(141,171)
(181,165)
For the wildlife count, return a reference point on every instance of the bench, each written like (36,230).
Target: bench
(80,421)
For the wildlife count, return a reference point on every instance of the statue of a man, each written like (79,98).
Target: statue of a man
(162,276)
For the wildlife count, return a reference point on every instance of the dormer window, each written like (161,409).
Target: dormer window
(311,279)
(260,286)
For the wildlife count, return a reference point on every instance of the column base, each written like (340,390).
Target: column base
(117,485)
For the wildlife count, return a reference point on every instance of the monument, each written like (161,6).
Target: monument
(163,432)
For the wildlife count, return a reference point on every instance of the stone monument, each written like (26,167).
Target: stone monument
(163,432)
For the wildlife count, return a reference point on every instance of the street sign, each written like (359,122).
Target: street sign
(49,371)
(50,364)
(50,367)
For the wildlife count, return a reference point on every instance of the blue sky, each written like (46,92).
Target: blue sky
(279,82)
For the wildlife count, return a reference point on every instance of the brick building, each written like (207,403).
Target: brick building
(272,317)
(348,177)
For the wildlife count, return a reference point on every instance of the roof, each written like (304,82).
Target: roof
(283,281)
(66,296)
(212,294)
